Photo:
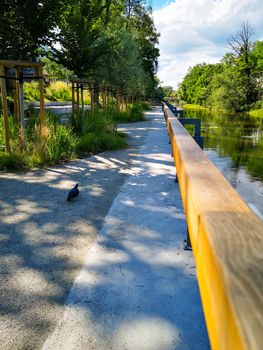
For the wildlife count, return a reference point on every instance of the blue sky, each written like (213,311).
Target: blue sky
(156,4)
(197,31)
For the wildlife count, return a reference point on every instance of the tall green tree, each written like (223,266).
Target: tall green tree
(242,45)
(197,84)
(84,39)
(26,25)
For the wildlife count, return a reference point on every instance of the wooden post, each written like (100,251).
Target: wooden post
(92,97)
(118,100)
(122,102)
(21,109)
(73,96)
(5,110)
(77,85)
(16,103)
(104,99)
(42,100)
(82,97)
(107,98)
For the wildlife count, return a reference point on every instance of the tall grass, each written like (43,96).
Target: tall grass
(56,91)
(88,133)
(134,113)
(96,132)
(50,144)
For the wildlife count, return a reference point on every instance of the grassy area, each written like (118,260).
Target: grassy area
(88,133)
(55,91)
(134,113)
(258,113)
(194,106)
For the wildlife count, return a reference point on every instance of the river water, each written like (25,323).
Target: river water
(234,143)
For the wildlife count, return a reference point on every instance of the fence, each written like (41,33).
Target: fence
(227,242)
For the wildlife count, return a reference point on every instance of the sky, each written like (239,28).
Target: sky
(197,31)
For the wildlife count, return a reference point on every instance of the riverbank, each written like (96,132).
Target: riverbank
(257,113)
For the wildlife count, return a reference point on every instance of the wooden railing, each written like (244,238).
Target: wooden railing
(227,242)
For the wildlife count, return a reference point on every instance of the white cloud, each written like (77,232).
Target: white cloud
(196,31)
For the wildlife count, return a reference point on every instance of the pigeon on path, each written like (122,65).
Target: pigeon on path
(73,193)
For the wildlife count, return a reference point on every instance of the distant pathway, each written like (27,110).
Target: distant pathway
(138,288)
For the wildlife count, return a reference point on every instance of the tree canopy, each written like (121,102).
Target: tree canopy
(235,83)
(109,41)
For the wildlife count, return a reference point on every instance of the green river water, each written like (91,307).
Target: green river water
(234,143)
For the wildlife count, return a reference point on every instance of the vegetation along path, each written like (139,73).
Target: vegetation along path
(120,242)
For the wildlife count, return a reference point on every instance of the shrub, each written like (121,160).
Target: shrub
(136,112)
(31,91)
(98,122)
(93,142)
(58,91)
(13,133)
(61,144)
(10,161)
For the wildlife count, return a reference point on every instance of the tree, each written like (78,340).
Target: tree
(242,45)
(196,86)
(83,39)
(26,25)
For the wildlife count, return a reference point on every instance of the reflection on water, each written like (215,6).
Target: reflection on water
(235,145)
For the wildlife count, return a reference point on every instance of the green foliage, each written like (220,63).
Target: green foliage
(13,131)
(26,25)
(228,92)
(197,84)
(56,71)
(225,85)
(31,91)
(96,131)
(133,114)
(136,112)
(58,91)
(93,142)
(98,122)
(10,161)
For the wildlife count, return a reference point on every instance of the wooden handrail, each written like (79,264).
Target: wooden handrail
(227,242)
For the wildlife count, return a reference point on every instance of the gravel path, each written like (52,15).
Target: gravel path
(120,243)
(44,239)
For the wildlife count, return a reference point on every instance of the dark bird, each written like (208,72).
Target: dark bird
(73,193)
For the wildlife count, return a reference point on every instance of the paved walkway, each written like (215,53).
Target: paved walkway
(138,288)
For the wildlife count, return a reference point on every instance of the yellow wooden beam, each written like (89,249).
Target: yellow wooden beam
(227,242)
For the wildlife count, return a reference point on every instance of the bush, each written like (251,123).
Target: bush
(93,142)
(11,161)
(51,144)
(136,112)
(13,133)
(31,91)
(58,91)
(133,114)
(98,122)
(61,144)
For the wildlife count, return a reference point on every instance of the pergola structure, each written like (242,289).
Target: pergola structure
(15,73)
